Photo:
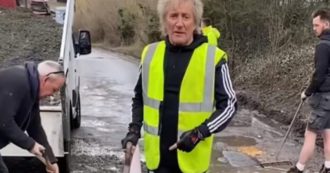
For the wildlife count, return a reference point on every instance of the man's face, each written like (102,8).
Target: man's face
(319,25)
(180,23)
(49,86)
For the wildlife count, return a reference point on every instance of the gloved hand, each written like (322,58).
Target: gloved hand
(189,140)
(132,136)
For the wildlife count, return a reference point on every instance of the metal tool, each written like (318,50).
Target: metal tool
(283,163)
(289,129)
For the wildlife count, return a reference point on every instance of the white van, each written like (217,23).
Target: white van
(58,121)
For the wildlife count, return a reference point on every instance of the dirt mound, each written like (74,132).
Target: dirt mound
(272,84)
(27,37)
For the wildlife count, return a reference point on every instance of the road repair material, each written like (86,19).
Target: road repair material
(280,163)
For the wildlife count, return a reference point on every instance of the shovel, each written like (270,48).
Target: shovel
(279,163)
(289,129)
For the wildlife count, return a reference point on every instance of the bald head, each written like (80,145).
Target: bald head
(51,77)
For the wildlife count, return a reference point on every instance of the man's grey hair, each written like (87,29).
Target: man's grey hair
(164,4)
(50,67)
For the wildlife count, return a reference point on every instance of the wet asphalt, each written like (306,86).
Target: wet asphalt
(107,82)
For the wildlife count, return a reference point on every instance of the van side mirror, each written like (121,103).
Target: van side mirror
(84,42)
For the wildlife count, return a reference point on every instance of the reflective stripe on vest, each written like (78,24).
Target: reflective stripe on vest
(150,129)
(205,106)
(196,103)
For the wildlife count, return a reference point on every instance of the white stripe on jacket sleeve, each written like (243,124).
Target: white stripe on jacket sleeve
(230,109)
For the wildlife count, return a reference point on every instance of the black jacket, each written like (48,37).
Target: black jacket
(175,64)
(321,78)
(19,110)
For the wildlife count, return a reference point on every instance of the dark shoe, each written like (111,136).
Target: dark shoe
(324,170)
(294,170)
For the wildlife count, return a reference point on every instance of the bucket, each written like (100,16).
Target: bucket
(60,15)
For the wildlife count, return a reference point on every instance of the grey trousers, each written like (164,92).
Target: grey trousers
(319,119)
(3,167)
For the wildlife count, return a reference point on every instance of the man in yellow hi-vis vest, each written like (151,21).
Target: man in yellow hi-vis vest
(213,34)
(184,93)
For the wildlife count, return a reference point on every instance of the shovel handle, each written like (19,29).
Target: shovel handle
(289,129)
(44,159)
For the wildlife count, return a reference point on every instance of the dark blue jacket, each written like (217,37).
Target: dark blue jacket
(19,109)
(321,77)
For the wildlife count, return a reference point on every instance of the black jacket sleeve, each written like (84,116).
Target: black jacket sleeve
(36,131)
(137,106)
(10,99)
(226,102)
(322,54)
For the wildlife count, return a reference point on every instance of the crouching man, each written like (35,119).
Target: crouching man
(21,87)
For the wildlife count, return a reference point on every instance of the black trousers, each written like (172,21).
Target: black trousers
(3,167)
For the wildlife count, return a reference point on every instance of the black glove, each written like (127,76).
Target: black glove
(189,140)
(132,136)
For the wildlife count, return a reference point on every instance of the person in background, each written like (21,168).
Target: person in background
(21,87)
(319,92)
(213,34)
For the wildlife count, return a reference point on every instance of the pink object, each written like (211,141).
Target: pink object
(135,163)
(8,4)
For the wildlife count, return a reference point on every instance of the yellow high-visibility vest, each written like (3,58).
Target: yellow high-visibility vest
(212,34)
(196,102)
